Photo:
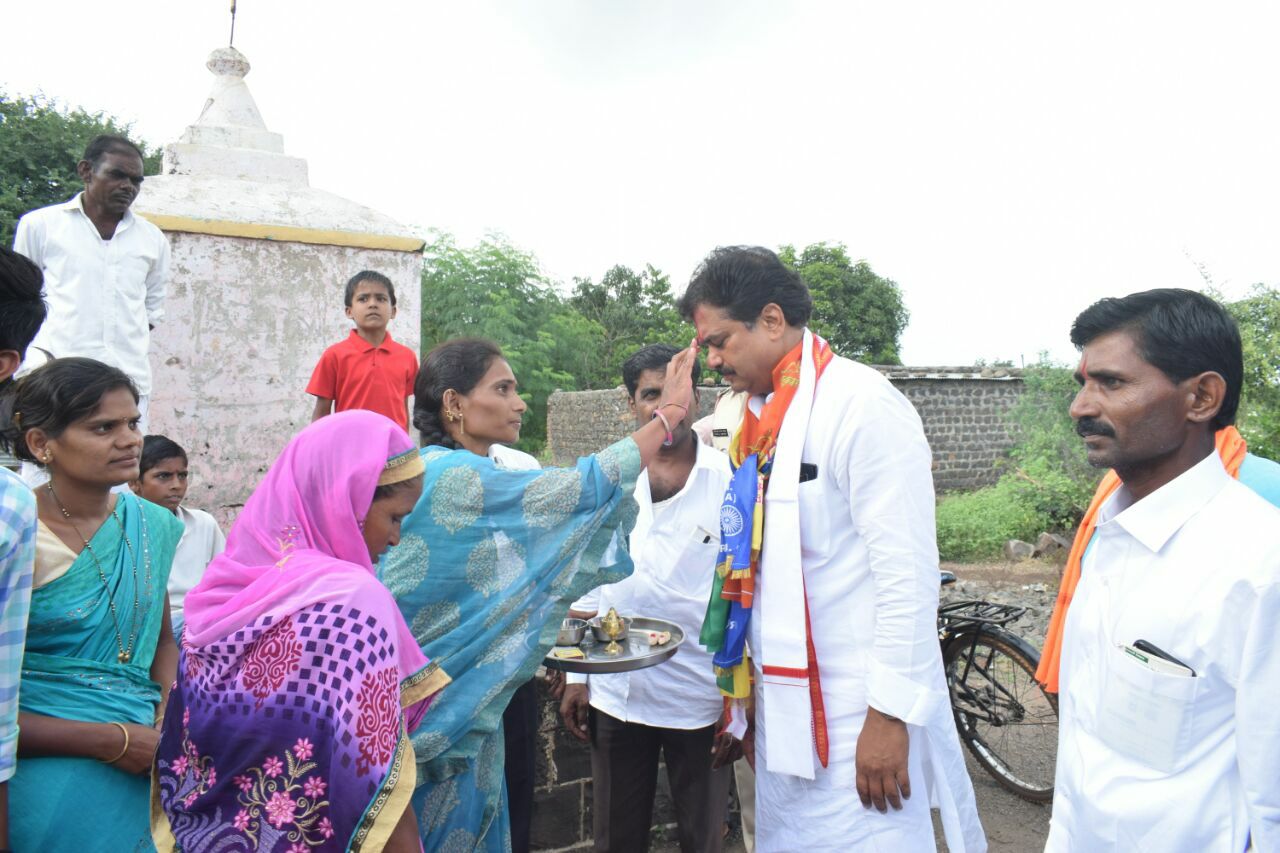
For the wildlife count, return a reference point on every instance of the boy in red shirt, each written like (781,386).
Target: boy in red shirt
(368,370)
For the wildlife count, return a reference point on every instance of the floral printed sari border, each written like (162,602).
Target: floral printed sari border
(388,806)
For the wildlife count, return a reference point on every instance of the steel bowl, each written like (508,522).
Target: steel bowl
(572,631)
(598,630)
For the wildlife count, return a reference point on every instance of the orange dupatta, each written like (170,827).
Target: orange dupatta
(760,435)
(1231,447)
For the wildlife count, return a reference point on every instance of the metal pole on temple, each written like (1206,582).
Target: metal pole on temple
(231,41)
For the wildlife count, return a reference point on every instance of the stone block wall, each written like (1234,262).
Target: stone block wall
(963,410)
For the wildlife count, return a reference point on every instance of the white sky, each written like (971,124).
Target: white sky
(1005,163)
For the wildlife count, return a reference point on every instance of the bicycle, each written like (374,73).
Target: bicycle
(1008,721)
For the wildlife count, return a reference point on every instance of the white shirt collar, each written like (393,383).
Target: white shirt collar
(1156,518)
(76,203)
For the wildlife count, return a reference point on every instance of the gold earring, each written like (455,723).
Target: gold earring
(48,456)
(462,424)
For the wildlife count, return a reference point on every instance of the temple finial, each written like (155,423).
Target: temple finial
(232,41)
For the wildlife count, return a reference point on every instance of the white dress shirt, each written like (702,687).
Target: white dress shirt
(202,540)
(675,545)
(103,294)
(512,459)
(870,563)
(1149,761)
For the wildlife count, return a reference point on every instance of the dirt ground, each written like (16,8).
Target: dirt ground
(1012,825)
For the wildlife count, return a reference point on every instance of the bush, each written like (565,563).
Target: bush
(1259,417)
(1047,482)
(975,525)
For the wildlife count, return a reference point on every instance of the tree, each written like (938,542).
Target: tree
(1258,316)
(498,291)
(630,310)
(860,313)
(40,144)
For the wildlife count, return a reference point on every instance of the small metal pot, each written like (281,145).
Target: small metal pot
(572,631)
(603,637)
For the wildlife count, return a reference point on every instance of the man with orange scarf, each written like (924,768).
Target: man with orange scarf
(826,600)
(1162,643)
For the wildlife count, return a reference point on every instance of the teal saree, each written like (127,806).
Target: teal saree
(488,563)
(70,670)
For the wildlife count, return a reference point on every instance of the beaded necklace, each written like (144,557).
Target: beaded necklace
(125,651)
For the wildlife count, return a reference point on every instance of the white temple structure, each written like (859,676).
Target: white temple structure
(260,259)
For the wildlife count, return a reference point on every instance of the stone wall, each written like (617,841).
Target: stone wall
(962,409)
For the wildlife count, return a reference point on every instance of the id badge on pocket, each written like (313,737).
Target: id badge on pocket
(1145,715)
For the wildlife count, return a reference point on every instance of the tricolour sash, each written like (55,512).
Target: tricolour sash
(764,445)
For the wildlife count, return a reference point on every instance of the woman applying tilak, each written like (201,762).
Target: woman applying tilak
(100,653)
(488,563)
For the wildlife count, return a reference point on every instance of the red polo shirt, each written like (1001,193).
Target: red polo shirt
(357,375)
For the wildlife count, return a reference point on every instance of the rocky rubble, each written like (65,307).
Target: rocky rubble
(1037,595)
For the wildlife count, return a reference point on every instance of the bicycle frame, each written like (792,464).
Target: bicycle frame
(996,705)
(963,621)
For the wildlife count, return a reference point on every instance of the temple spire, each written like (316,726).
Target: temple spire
(230,138)
(231,42)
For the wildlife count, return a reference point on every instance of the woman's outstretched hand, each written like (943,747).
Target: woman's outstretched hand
(677,388)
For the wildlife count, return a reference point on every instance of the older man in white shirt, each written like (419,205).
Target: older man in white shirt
(1169,735)
(853,734)
(672,709)
(105,269)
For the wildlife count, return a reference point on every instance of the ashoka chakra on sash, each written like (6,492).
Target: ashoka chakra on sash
(730,520)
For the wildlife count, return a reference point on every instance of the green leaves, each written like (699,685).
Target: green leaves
(1258,316)
(1047,483)
(861,314)
(630,310)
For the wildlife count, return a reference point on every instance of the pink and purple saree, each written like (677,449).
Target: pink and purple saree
(298,682)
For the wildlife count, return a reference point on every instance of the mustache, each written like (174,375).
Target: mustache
(725,371)
(1092,426)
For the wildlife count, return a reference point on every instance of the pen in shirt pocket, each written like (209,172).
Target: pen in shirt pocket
(1154,651)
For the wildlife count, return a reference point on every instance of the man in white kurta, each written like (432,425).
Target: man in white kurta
(1180,754)
(105,268)
(1194,569)
(868,566)
(669,712)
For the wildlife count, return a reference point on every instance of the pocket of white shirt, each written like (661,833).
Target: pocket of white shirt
(1145,715)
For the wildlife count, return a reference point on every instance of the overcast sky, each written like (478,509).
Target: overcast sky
(1005,163)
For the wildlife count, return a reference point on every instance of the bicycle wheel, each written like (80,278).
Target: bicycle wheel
(1003,714)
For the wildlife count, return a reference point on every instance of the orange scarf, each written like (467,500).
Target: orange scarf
(760,435)
(1231,447)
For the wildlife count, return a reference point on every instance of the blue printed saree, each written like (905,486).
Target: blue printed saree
(71,671)
(487,564)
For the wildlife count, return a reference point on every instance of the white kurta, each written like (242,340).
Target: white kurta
(870,565)
(104,295)
(202,540)
(1155,762)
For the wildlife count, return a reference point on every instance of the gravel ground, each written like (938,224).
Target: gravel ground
(1012,825)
